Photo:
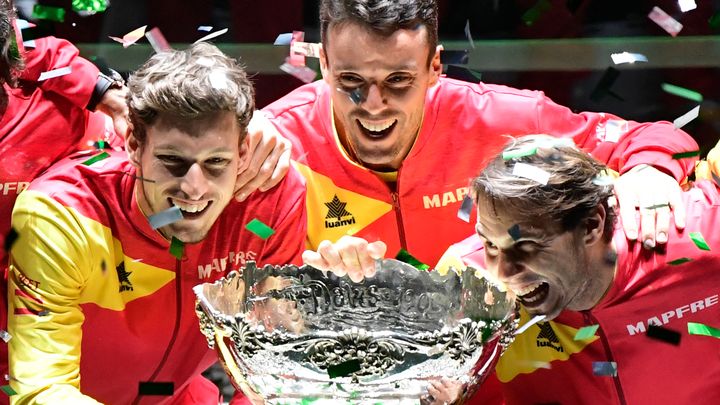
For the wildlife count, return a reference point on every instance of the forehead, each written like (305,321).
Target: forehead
(213,129)
(504,224)
(352,46)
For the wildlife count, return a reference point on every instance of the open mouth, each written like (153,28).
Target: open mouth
(377,130)
(533,296)
(191,211)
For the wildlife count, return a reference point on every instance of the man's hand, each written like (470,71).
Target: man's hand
(114,105)
(267,158)
(443,392)
(349,255)
(654,193)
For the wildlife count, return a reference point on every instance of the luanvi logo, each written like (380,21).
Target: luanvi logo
(337,214)
(124,278)
(548,338)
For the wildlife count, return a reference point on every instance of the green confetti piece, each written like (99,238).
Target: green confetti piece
(96,158)
(518,153)
(514,232)
(93,6)
(684,155)
(176,248)
(714,21)
(656,206)
(703,330)
(101,144)
(260,229)
(405,257)
(308,400)
(699,241)
(682,92)
(535,11)
(586,332)
(679,261)
(41,12)
(343,369)
(8,390)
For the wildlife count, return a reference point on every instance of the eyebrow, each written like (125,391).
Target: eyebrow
(536,237)
(174,148)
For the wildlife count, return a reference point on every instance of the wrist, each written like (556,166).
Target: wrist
(103,84)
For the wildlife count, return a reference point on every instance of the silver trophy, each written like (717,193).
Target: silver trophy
(293,335)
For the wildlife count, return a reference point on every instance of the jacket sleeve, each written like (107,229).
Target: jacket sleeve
(48,268)
(52,53)
(618,143)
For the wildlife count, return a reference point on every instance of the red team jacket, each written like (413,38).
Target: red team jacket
(669,287)
(464,124)
(94,289)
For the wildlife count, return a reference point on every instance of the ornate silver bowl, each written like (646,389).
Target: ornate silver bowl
(292,334)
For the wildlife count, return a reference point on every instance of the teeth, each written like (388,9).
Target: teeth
(528,289)
(190,207)
(376,127)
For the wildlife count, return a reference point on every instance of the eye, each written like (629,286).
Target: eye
(529,247)
(490,247)
(170,159)
(350,81)
(217,161)
(399,80)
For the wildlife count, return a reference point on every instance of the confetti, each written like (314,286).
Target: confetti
(514,232)
(156,388)
(166,217)
(679,261)
(8,390)
(157,40)
(55,73)
(356,96)
(604,368)
(211,36)
(687,117)
(656,206)
(44,312)
(462,73)
(304,73)
(96,158)
(89,7)
(454,57)
(533,321)
(29,44)
(308,49)
(531,172)
(663,334)
(176,248)
(24,24)
(465,208)
(405,257)
(684,155)
(682,92)
(296,59)
(699,241)
(468,34)
(586,332)
(41,12)
(714,21)
(218,79)
(536,11)
(703,330)
(627,57)
(5,336)
(131,37)
(284,39)
(615,129)
(602,88)
(10,239)
(661,18)
(687,5)
(344,369)
(518,153)
(206,28)
(259,228)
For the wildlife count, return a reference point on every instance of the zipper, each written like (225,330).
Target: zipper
(590,320)
(398,218)
(176,328)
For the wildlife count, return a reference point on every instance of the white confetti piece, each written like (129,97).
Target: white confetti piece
(29,43)
(157,40)
(661,18)
(55,73)
(682,120)
(284,39)
(687,5)
(5,336)
(211,36)
(531,172)
(536,319)
(308,49)
(23,24)
(131,37)
(615,129)
(304,73)
(218,79)
(465,208)
(165,217)
(206,28)
(627,57)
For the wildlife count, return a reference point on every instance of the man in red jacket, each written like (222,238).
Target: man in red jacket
(549,235)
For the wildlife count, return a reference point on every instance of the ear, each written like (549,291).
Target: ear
(324,67)
(435,66)
(133,149)
(595,226)
(245,155)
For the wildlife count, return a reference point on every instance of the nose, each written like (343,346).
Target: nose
(194,184)
(374,102)
(507,267)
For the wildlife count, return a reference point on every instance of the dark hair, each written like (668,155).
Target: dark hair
(577,183)
(185,88)
(385,17)
(10,59)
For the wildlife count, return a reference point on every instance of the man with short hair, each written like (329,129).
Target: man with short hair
(101,299)
(556,245)
(387,144)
